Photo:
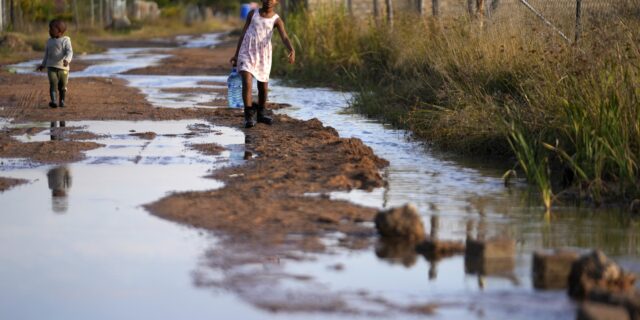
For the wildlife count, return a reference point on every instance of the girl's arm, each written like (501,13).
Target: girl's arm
(234,59)
(285,40)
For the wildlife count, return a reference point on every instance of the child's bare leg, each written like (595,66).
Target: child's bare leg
(249,111)
(247,82)
(263,90)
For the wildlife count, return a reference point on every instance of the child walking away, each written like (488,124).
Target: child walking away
(57,56)
(253,58)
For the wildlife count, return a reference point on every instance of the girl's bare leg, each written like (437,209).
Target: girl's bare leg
(247,82)
(263,89)
(249,111)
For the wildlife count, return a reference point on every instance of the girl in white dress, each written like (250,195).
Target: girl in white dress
(253,57)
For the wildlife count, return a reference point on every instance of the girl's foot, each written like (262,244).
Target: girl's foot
(249,115)
(52,105)
(262,115)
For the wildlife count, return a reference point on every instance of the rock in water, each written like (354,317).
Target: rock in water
(402,223)
(594,273)
(551,269)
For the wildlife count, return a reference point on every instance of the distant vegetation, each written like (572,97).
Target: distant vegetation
(569,115)
(27,32)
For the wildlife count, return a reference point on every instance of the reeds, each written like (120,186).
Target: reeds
(568,114)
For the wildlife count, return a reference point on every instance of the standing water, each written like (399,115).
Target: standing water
(97,254)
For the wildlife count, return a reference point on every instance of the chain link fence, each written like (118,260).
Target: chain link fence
(567,18)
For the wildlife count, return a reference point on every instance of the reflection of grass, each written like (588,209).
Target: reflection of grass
(576,111)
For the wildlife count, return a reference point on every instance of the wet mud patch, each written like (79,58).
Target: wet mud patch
(264,218)
(8,183)
(45,152)
(265,197)
(144,135)
(195,91)
(192,61)
(209,149)
(90,99)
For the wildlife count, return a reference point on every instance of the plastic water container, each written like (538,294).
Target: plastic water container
(234,89)
(244,10)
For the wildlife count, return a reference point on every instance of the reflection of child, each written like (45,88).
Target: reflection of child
(253,56)
(59,179)
(57,56)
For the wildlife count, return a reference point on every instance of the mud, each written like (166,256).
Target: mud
(25,98)
(193,61)
(262,208)
(8,183)
(54,151)
(210,149)
(264,200)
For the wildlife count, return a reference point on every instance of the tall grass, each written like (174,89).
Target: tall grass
(568,114)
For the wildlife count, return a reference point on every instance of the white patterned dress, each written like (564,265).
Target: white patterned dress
(255,51)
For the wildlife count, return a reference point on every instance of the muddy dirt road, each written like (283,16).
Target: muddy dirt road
(146,187)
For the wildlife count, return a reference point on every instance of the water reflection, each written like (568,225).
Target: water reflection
(59,180)
(56,130)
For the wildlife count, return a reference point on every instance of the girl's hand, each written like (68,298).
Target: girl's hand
(233,61)
(65,63)
(292,57)
(40,68)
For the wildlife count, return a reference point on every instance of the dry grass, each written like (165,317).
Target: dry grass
(568,113)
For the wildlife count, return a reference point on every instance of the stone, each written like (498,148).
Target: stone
(499,248)
(490,257)
(551,269)
(594,272)
(601,311)
(402,223)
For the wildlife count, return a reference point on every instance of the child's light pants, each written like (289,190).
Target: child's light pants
(58,80)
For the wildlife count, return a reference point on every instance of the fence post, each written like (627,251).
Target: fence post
(1,15)
(578,19)
(76,16)
(480,11)
(435,7)
(470,7)
(376,10)
(421,7)
(93,16)
(390,12)
(12,15)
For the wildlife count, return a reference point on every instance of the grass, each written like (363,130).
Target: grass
(568,114)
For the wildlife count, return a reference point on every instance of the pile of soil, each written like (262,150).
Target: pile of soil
(264,200)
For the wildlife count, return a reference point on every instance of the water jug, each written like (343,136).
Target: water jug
(234,92)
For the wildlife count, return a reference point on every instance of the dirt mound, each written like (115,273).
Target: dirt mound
(265,199)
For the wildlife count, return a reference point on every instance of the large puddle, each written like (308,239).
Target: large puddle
(95,253)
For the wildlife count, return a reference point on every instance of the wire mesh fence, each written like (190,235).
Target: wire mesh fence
(567,17)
